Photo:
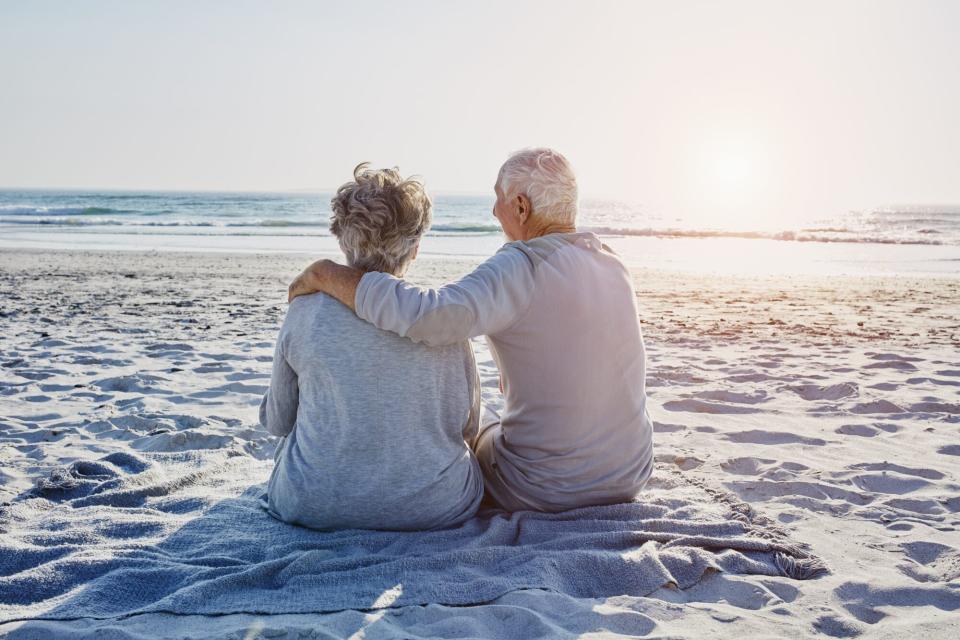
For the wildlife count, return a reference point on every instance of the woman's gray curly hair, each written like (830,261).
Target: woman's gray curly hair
(379,218)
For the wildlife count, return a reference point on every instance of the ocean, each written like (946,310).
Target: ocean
(897,239)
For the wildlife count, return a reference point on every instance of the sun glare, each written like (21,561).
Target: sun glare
(730,168)
(731,177)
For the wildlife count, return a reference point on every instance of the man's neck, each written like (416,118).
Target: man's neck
(535,231)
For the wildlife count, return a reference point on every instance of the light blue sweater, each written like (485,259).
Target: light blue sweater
(375,424)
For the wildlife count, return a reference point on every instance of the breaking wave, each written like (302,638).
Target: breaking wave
(790,236)
(319,228)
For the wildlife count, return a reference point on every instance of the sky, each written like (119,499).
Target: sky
(753,110)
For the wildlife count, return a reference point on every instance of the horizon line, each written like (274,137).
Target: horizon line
(208,190)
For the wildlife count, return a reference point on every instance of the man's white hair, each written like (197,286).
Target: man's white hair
(546,178)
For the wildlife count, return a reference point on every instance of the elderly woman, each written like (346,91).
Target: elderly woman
(376,425)
(559,313)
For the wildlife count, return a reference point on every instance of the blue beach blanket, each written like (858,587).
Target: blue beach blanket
(185,533)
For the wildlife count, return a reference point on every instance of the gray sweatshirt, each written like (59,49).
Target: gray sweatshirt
(374,424)
(560,316)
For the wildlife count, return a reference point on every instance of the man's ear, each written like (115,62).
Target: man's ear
(524,209)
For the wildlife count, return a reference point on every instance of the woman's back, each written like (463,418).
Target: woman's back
(380,426)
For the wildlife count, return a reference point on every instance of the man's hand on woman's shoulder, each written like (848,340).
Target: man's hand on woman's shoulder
(309,281)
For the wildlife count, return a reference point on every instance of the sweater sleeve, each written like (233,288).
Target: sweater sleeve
(483,302)
(278,409)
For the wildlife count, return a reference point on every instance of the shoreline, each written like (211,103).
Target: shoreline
(727,256)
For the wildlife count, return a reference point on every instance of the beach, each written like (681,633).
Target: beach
(828,403)
(779,183)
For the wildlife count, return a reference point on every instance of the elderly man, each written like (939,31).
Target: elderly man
(376,426)
(560,317)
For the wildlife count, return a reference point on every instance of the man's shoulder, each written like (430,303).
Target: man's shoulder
(520,254)
(539,250)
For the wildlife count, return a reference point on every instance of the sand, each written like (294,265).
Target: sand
(829,403)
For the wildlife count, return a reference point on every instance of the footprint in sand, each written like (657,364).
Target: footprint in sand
(230,387)
(182,441)
(916,506)
(892,357)
(134,426)
(247,375)
(683,462)
(935,407)
(838,626)
(38,375)
(700,406)
(665,427)
(813,496)
(760,436)
(86,360)
(97,348)
(672,376)
(863,600)
(718,587)
(754,377)
(731,396)
(223,357)
(889,483)
(746,466)
(51,388)
(877,406)
(135,383)
(212,367)
(49,343)
(930,561)
(862,430)
(814,392)
(899,365)
(942,383)
(125,425)
(920,472)
(168,349)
